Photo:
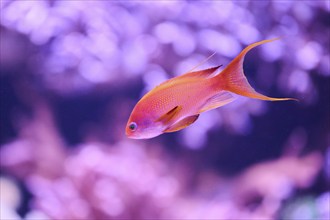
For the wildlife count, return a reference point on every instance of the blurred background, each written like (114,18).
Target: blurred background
(72,71)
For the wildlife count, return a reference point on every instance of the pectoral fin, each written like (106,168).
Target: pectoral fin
(182,123)
(218,100)
(169,115)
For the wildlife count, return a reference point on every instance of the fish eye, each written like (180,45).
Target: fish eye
(132,126)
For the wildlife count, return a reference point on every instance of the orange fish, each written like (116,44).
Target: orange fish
(178,102)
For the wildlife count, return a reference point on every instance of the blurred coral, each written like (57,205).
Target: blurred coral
(133,181)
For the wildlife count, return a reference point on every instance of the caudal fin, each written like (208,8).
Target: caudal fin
(233,79)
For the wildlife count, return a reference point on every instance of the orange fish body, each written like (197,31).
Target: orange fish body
(178,102)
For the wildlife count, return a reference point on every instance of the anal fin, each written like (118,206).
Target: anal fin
(182,123)
(218,100)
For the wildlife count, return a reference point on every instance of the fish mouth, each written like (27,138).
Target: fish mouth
(135,137)
(128,134)
(146,135)
(131,135)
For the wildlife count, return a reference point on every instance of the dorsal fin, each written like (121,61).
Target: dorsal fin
(202,62)
(201,73)
(165,118)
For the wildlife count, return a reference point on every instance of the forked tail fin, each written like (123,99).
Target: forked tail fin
(233,79)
